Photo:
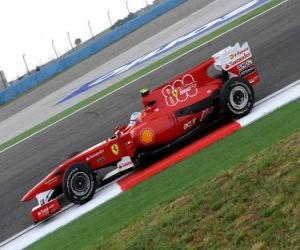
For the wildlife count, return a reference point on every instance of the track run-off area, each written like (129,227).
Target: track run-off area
(275,42)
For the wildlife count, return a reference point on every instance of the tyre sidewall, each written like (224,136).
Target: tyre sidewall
(228,86)
(67,185)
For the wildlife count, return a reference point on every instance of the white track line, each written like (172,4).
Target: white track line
(272,103)
(34,233)
(161,66)
(274,94)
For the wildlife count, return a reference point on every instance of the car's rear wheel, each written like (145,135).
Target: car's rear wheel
(237,97)
(79,183)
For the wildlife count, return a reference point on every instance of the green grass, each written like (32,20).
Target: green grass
(137,75)
(137,204)
(255,205)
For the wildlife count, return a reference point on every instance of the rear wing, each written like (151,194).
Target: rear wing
(233,61)
(237,60)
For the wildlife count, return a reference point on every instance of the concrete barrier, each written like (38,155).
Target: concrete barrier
(89,48)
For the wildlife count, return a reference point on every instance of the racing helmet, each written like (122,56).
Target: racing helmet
(134,118)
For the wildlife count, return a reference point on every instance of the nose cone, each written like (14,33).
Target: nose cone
(50,182)
(29,195)
(39,188)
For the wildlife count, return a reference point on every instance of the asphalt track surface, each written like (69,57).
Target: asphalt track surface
(103,56)
(275,41)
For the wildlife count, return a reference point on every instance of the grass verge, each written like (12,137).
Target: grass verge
(142,202)
(136,75)
(255,205)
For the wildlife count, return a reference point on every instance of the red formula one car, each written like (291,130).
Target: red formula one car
(174,111)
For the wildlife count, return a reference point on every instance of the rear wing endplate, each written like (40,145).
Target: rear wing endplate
(231,56)
(237,60)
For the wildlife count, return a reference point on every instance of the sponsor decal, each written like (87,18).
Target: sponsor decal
(52,180)
(189,124)
(180,90)
(205,113)
(247,71)
(243,57)
(115,149)
(174,92)
(232,56)
(125,163)
(248,63)
(43,211)
(147,136)
(101,159)
(94,155)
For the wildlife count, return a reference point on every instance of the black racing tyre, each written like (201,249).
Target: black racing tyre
(79,183)
(237,97)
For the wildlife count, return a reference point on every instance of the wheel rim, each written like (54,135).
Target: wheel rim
(238,97)
(80,184)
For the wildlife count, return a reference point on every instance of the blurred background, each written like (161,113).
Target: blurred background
(34,32)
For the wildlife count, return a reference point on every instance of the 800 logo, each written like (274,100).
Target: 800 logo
(180,90)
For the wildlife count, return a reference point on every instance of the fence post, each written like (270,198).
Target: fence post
(90,28)
(127,7)
(55,51)
(26,65)
(70,41)
(109,19)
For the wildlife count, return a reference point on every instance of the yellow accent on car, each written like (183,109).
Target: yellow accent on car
(147,136)
(115,149)
(144,91)
(174,92)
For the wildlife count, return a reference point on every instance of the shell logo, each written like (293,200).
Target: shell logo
(232,56)
(147,136)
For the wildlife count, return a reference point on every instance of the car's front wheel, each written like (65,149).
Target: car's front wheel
(79,183)
(237,97)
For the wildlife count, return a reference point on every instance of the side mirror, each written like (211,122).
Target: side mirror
(120,128)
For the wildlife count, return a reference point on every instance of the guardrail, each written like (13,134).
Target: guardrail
(90,48)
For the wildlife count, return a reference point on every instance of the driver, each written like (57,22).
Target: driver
(134,118)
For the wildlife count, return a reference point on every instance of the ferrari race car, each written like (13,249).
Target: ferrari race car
(172,112)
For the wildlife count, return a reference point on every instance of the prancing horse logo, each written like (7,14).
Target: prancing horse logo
(115,149)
